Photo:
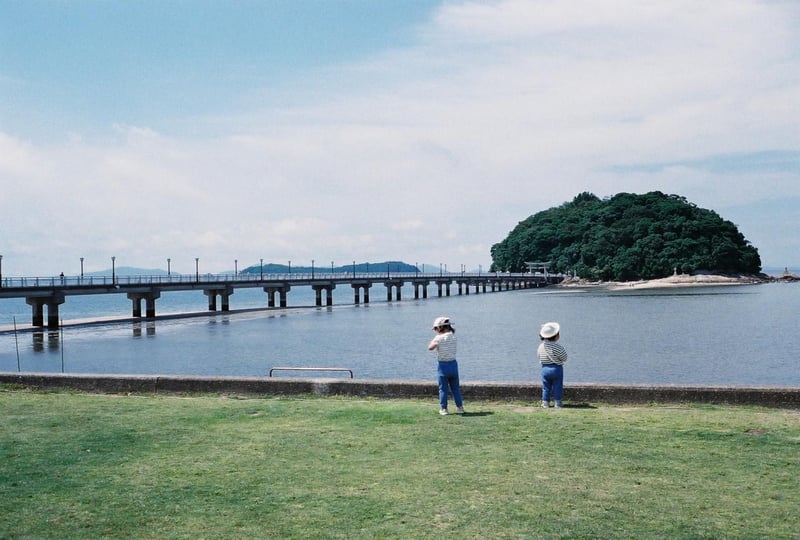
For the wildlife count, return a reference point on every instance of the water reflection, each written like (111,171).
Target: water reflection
(150,329)
(51,343)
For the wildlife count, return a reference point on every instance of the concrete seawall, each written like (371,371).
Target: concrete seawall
(784,397)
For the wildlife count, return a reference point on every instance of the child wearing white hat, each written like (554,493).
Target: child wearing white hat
(552,357)
(444,343)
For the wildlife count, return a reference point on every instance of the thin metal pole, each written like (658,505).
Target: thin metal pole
(16,342)
(62,345)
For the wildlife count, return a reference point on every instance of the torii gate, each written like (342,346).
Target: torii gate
(533,266)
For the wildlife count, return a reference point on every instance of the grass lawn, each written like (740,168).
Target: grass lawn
(78,465)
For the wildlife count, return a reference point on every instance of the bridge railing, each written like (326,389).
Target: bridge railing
(178,279)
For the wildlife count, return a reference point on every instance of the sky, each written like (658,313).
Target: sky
(367,130)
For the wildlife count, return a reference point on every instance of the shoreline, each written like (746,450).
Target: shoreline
(673,281)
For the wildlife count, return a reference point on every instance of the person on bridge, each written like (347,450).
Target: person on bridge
(552,356)
(444,343)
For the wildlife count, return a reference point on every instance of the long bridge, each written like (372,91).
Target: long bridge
(51,292)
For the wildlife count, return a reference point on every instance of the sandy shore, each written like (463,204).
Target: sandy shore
(674,281)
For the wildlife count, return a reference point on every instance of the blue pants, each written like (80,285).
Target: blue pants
(552,382)
(448,378)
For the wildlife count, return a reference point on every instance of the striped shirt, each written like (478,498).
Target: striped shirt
(550,352)
(445,346)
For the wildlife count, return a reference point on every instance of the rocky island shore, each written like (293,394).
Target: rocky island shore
(674,281)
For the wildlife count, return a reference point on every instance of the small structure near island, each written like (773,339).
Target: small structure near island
(789,276)
(534,267)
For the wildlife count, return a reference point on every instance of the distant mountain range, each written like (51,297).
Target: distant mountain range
(271,268)
(385,266)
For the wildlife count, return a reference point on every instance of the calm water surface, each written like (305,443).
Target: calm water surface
(741,335)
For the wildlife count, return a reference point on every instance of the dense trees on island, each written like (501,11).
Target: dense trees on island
(627,237)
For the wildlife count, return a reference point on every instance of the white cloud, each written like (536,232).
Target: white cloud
(500,110)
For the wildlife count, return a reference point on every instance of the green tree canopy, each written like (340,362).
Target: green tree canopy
(627,237)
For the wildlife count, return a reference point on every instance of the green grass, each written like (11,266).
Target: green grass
(92,466)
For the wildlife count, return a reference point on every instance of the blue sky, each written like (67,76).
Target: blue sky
(96,63)
(374,130)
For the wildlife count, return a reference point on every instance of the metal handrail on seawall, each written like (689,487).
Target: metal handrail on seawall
(350,371)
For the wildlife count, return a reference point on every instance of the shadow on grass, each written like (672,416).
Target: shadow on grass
(479,413)
(579,406)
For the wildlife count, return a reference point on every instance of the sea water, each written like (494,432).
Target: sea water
(746,335)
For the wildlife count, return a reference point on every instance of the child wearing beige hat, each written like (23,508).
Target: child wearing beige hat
(444,343)
(552,357)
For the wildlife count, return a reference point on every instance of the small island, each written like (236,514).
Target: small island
(631,240)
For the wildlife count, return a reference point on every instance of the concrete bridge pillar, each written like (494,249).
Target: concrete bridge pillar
(420,284)
(328,288)
(224,294)
(357,290)
(52,310)
(281,289)
(443,285)
(394,284)
(150,303)
(37,304)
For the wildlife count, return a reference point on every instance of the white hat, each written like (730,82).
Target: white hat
(438,322)
(549,330)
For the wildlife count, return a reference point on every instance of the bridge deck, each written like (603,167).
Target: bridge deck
(50,292)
